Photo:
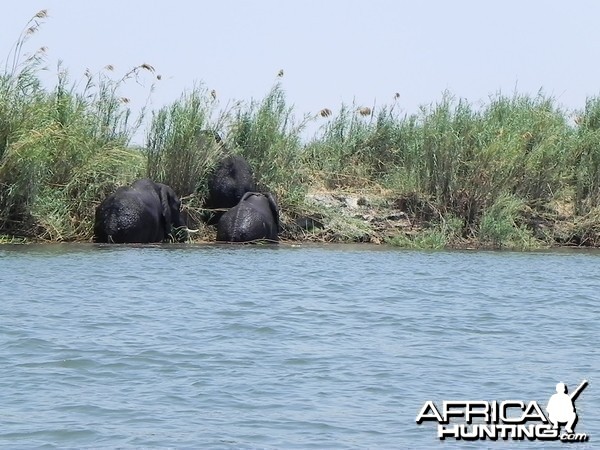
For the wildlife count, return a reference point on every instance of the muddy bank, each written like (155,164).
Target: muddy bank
(412,221)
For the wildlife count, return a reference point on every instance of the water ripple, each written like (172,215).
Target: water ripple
(258,347)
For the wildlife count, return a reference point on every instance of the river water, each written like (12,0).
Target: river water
(250,347)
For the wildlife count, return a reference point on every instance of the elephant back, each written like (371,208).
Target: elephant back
(252,219)
(143,212)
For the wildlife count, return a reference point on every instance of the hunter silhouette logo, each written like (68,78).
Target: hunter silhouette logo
(561,408)
(509,419)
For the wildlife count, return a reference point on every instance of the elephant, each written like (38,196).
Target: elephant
(141,213)
(254,218)
(231,179)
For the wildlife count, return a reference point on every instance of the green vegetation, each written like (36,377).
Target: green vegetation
(517,172)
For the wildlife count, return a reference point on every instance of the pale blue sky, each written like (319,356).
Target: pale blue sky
(331,51)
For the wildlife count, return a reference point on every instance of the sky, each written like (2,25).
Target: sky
(332,52)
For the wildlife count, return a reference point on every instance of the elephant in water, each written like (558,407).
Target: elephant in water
(141,213)
(255,217)
(231,179)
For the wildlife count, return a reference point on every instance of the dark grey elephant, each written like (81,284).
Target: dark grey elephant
(230,180)
(254,218)
(143,212)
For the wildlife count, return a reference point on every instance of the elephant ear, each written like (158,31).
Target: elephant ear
(246,195)
(274,209)
(164,194)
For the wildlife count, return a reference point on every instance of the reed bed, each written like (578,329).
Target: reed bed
(516,171)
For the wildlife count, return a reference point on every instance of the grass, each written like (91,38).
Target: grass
(181,146)
(267,135)
(518,171)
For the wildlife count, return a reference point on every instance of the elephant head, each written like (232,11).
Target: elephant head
(230,180)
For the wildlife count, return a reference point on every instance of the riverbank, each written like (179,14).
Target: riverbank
(449,177)
(518,171)
(381,217)
(443,179)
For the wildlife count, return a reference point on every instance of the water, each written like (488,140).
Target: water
(289,347)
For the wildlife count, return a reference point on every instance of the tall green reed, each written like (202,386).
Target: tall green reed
(183,144)
(268,136)
(482,168)
(63,149)
(584,158)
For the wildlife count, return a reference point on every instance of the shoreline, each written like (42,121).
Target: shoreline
(514,173)
(287,244)
(347,218)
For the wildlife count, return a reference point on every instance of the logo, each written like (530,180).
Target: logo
(510,419)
